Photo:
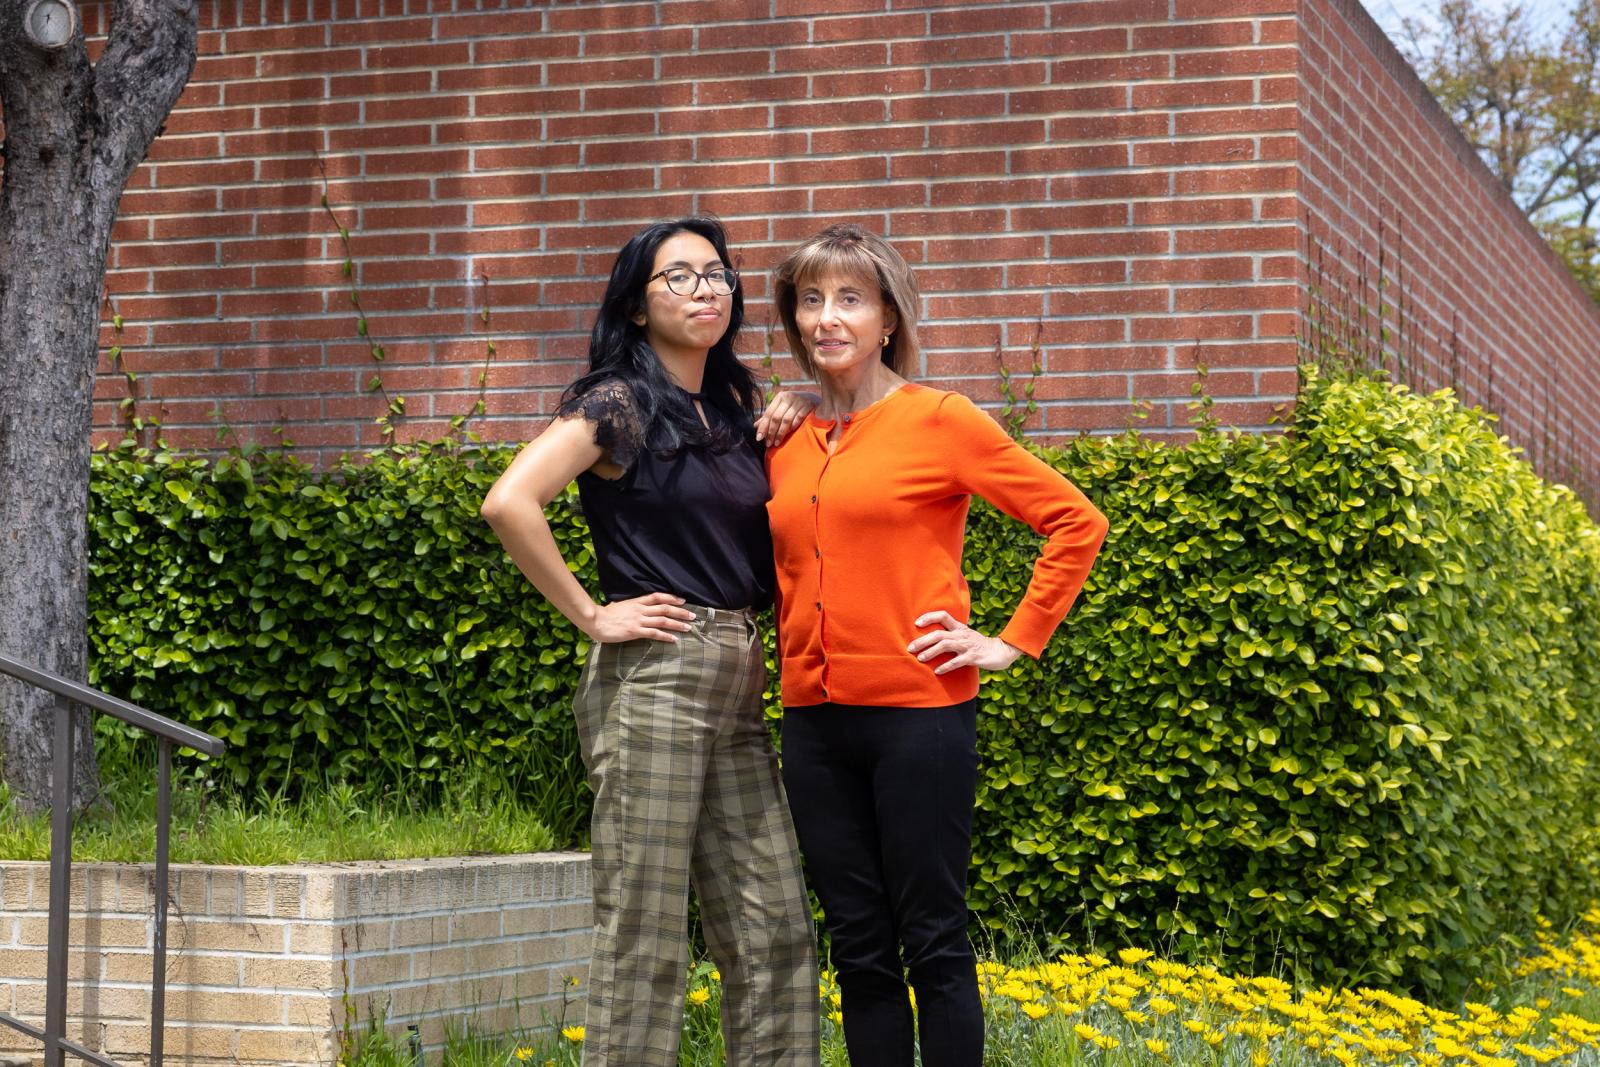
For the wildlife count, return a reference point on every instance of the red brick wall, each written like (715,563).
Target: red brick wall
(1489,309)
(1122,179)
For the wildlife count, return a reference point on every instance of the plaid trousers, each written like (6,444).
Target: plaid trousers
(686,789)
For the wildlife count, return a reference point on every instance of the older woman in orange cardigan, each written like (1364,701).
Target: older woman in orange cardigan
(880,669)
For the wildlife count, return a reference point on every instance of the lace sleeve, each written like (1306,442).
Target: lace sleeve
(610,409)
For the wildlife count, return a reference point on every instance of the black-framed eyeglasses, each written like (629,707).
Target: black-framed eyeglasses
(685,280)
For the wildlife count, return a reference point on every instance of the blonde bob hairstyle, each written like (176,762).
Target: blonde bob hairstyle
(846,250)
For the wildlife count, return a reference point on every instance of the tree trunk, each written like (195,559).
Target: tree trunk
(73,135)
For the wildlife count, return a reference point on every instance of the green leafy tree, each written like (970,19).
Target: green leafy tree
(1527,98)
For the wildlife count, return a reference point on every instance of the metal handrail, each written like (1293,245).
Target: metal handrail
(67,693)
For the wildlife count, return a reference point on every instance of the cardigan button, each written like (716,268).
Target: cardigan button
(813,498)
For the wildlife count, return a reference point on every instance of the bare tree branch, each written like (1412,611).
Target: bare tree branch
(149,56)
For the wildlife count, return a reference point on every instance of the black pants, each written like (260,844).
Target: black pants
(882,801)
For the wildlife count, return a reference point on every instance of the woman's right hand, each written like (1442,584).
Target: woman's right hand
(654,615)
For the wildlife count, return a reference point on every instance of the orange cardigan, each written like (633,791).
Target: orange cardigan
(869,538)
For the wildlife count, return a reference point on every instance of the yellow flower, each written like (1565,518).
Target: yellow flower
(572,1033)
(1158,1047)
(716,976)
(1035,1011)
(699,996)
(1131,956)
(524,1053)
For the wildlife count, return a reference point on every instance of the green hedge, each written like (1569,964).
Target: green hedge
(361,624)
(1329,699)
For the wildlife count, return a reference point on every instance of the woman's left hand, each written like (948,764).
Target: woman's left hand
(966,646)
(784,413)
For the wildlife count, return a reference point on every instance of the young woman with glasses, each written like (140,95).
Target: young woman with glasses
(660,437)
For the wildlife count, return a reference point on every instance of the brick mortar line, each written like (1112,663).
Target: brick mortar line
(1014,320)
(645,85)
(428,948)
(574,361)
(494,257)
(174,987)
(502,972)
(584,112)
(513,227)
(285,990)
(723,136)
(291,920)
(697,50)
(762,21)
(772,185)
(942,235)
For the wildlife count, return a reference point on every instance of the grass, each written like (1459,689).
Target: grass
(337,823)
(1136,1009)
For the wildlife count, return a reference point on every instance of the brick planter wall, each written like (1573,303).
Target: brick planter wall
(1122,180)
(264,963)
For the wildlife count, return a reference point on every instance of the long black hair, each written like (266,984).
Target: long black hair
(618,349)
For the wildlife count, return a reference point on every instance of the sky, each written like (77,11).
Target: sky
(1388,13)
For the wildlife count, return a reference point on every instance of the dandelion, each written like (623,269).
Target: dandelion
(699,996)
(524,1053)
(573,1034)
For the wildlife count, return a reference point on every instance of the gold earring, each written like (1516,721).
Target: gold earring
(884,341)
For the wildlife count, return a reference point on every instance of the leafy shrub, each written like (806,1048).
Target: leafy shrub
(1329,696)
(361,624)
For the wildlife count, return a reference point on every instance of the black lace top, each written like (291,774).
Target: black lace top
(693,524)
